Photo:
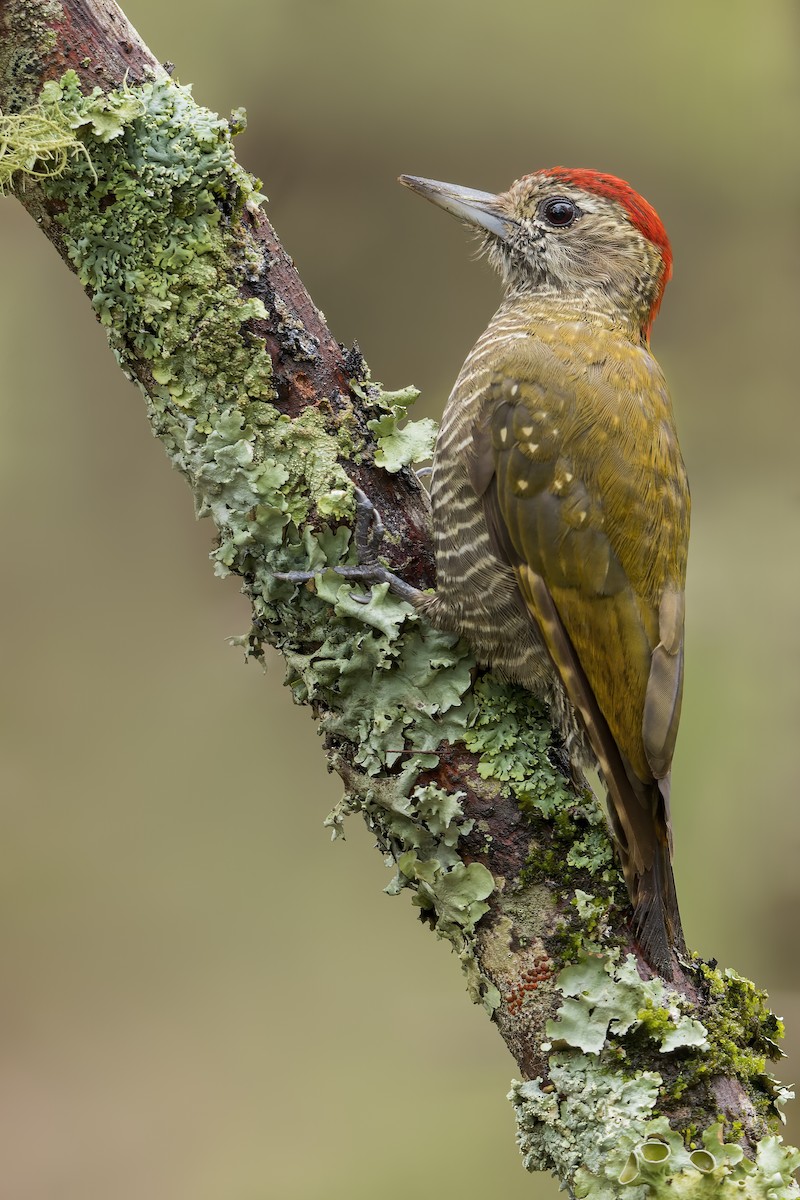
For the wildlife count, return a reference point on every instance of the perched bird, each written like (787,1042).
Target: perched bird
(560,502)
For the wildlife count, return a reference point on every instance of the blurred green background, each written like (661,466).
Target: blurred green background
(201,997)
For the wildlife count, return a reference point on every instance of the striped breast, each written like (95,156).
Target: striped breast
(476,593)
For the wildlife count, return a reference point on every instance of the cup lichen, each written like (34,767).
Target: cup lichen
(598,1124)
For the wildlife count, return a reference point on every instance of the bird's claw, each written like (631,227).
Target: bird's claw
(368,535)
(369,530)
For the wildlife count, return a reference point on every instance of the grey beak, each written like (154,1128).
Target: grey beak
(476,208)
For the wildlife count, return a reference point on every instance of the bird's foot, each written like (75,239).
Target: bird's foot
(369,532)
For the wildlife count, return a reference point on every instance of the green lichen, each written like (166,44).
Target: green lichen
(420,828)
(573,1124)
(611,1019)
(605,1000)
(399,446)
(35,144)
(150,218)
(453,893)
(570,847)
(39,142)
(144,226)
(743,1036)
(392,696)
(595,1123)
(510,732)
(589,1126)
(660,1165)
(106,115)
(28,38)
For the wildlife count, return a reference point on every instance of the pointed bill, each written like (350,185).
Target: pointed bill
(482,209)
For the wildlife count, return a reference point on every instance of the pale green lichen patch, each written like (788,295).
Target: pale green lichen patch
(398,446)
(392,696)
(420,828)
(596,1122)
(143,224)
(605,1000)
(39,142)
(573,1124)
(592,1126)
(570,847)
(106,115)
(454,891)
(509,730)
(149,211)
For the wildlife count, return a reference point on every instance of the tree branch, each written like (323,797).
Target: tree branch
(631,1086)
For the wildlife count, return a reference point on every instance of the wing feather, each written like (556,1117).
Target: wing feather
(597,510)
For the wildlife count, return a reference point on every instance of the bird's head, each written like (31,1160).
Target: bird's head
(577,234)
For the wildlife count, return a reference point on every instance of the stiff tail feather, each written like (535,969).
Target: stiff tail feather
(656,918)
(639,814)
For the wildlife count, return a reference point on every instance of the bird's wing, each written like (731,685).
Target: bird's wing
(596,535)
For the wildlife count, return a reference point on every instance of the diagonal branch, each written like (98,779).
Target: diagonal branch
(628,1082)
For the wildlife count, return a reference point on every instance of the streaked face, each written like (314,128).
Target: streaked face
(569,240)
(571,233)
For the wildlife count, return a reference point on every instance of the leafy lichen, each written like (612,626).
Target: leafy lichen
(605,1000)
(509,731)
(574,1123)
(570,849)
(149,195)
(659,1166)
(399,446)
(596,1121)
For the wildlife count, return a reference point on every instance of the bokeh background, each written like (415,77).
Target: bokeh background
(201,997)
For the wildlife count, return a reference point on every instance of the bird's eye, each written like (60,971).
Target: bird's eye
(559,212)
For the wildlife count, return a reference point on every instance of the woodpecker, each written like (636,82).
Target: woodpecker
(560,504)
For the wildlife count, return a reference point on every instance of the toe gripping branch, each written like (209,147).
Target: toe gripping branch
(369,533)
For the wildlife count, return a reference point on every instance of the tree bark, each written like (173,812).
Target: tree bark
(631,1086)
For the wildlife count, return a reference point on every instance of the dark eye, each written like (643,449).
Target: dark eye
(559,212)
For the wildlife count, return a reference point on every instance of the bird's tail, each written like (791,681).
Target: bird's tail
(656,917)
(639,814)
